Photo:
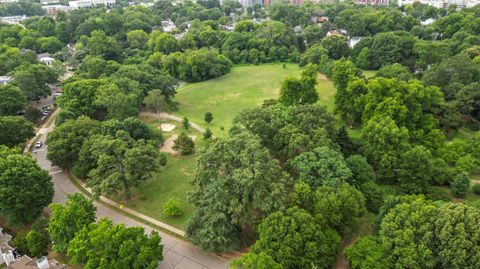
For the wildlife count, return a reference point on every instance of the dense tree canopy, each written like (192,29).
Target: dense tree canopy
(107,245)
(232,176)
(67,220)
(25,189)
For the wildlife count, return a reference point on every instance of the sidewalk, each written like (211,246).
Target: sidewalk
(132,212)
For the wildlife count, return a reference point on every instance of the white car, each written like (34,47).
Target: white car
(39,144)
(46,113)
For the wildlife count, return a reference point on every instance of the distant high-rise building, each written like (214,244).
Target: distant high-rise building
(249,3)
(442,3)
(373,2)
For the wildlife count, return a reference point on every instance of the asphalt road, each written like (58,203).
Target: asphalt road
(177,253)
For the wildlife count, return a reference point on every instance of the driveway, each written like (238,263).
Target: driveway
(177,253)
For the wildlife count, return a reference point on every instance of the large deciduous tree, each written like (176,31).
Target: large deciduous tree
(322,166)
(340,208)
(66,140)
(15,130)
(295,91)
(12,100)
(120,162)
(25,189)
(294,240)
(67,220)
(233,176)
(110,246)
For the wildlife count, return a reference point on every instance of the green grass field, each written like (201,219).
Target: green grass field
(170,182)
(244,87)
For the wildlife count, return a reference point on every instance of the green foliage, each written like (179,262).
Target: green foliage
(322,166)
(66,140)
(37,243)
(106,245)
(184,144)
(397,71)
(233,176)
(25,188)
(366,253)
(361,171)
(415,170)
(156,100)
(460,185)
(208,134)
(336,46)
(186,123)
(295,91)
(255,261)
(294,240)
(340,208)
(347,146)
(373,196)
(289,131)
(172,208)
(119,104)
(476,189)
(411,224)
(32,80)
(12,100)
(302,196)
(208,117)
(20,241)
(67,220)
(196,65)
(116,163)
(15,130)
(438,194)
(457,236)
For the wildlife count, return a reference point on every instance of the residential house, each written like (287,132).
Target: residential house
(11,259)
(45,58)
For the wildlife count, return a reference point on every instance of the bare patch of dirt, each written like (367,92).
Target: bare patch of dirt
(167,146)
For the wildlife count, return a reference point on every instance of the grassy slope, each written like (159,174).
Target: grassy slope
(244,87)
(170,182)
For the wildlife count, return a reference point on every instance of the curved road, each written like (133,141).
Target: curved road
(177,253)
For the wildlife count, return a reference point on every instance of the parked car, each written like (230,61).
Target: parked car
(46,113)
(39,144)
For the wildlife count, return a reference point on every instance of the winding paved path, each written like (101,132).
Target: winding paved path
(177,253)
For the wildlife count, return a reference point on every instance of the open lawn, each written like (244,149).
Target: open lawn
(170,182)
(244,87)
(326,92)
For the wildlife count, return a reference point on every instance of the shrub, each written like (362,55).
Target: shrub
(37,243)
(184,144)
(172,208)
(461,185)
(438,194)
(208,117)
(207,134)
(373,196)
(476,189)
(21,243)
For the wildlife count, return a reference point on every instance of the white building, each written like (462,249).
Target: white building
(54,9)
(352,41)
(249,3)
(441,3)
(90,3)
(4,80)
(13,19)
(45,58)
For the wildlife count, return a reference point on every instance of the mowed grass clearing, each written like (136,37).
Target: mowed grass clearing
(171,181)
(244,87)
